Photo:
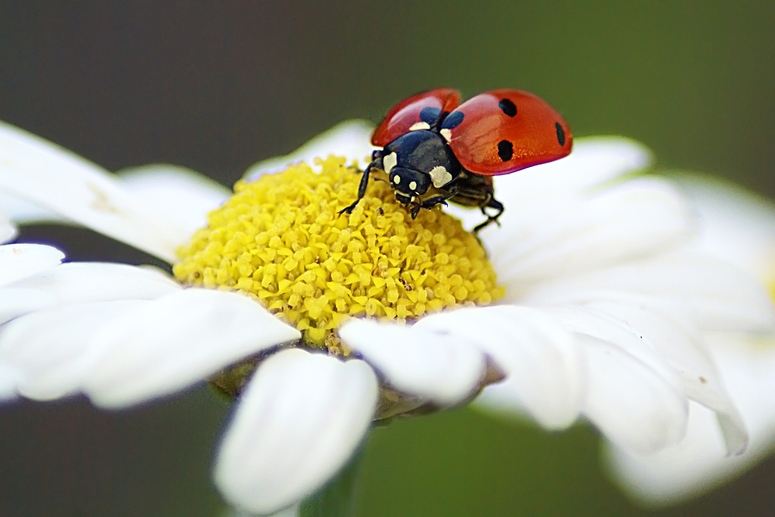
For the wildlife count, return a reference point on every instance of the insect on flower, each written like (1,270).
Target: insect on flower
(435,149)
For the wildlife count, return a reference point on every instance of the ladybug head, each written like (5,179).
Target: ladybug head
(408,182)
(417,161)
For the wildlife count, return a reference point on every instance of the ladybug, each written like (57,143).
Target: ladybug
(435,149)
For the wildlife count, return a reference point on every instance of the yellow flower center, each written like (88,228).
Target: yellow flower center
(281,240)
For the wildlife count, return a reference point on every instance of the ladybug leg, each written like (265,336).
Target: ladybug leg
(491,203)
(440,199)
(361,190)
(435,200)
(431,202)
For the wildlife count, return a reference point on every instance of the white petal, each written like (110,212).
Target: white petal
(9,380)
(633,395)
(544,367)
(661,327)
(56,179)
(349,139)
(593,161)
(633,341)
(443,368)
(177,340)
(299,421)
(100,281)
(631,404)
(15,302)
(22,211)
(291,511)
(678,471)
(700,461)
(682,347)
(631,220)
(736,225)
(182,195)
(54,349)
(76,282)
(718,296)
(7,230)
(504,399)
(18,261)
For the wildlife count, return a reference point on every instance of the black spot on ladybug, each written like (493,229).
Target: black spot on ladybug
(505,150)
(430,115)
(507,107)
(453,120)
(560,133)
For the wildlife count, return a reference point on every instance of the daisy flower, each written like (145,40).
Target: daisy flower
(318,325)
(739,228)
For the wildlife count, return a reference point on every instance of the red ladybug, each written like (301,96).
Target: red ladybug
(435,149)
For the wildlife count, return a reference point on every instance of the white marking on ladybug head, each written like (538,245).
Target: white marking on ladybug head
(440,176)
(419,125)
(396,179)
(389,161)
(447,134)
(413,185)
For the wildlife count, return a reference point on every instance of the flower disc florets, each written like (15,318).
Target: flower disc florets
(281,240)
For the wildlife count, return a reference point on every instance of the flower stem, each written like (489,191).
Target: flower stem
(338,497)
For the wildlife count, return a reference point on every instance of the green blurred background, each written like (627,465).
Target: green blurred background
(219,85)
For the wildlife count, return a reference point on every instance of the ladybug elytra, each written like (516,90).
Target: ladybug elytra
(435,149)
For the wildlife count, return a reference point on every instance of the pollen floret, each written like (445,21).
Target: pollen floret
(281,240)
